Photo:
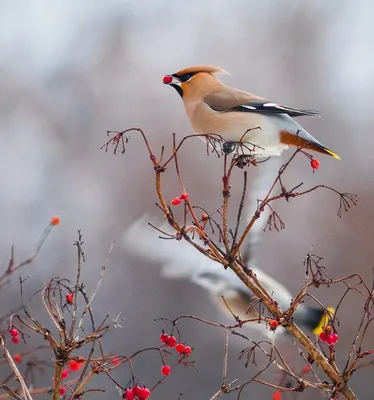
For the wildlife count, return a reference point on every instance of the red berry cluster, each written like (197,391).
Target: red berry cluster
(136,392)
(329,336)
(14,333)
(171,342)
(177,200)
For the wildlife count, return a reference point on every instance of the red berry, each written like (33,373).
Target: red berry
(14,332)
(64,374)
(184,196)
(69,298)
(164,338)
(165,370)
(137,390)
(55,220)
(277,395)
(187,350)
(176,201)
(171,342)
(332,338)
(17,358)
(273,324)
(62,391)
(128,395)
(116,361)
(15,339)
(306,369)
(314,163)
(167,79)
(179,348)
(323,336)
(144,394)
(75,365)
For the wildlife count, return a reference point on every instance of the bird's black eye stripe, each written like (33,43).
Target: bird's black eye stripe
(184,77)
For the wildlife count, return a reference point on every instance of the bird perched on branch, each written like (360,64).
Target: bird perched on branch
(180,260)
(238,116)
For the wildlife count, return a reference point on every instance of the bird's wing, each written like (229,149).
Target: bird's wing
(180,260)
(229,100)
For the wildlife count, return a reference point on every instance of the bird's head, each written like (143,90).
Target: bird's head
(199,79)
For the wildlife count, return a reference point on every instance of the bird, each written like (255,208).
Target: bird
(240,117)
(181,261)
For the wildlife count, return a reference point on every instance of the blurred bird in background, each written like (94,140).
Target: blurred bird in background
(238,116)
(180,260)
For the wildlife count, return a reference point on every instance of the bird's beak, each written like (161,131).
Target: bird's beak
(170,80)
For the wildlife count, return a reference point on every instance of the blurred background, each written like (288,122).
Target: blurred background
(69,71)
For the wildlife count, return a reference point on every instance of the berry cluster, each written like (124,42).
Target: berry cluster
(137,392)
(15,335)
(329,336)
(177,200)
(171,342)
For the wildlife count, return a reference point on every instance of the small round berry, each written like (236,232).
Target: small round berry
(204,217)
(75,365)
(332,338)
(166,370)
(128,395)
(314,163)
(69,298)
(187,350)
(17,358)
(323,336)
(116,361)
(171,342)
(179,348)
(62,391)
(176,201)
(167,79)
(64,374)
(137,390)
(144,394)
(55,220)
(15,339)
(184,196)
(164,338)
(273,324)
(329,329)
(14,332)
(306,369)
(277,396)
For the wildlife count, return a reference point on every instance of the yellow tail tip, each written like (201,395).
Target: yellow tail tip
(332,154)
(324,321)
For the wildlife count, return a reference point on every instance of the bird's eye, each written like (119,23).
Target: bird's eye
(186,77)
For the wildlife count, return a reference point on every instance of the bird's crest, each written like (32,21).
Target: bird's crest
(211,69)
